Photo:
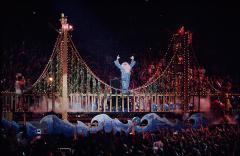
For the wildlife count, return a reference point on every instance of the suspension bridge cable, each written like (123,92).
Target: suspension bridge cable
(50,59)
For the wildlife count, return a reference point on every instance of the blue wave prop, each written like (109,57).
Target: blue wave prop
(53,125)
(10,125)
(154,122)
(108,124)
(119,126)
(93,130)
(198,119)
(138,129)
(31,130)
(136,121)
(104,122)
(82,128)
(50,125)
(67,128)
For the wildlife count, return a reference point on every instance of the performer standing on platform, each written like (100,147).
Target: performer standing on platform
(125,72)
(19,90)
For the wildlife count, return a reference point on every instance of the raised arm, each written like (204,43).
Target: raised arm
(116,62)
(132,62)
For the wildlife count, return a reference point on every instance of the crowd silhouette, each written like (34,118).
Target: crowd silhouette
(222,139)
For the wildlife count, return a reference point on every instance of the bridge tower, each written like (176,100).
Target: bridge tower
(182,43)
(65,28)
(186,82)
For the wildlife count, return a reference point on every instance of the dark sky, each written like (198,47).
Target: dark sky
(106,28)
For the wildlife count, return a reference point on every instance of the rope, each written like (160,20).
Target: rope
(163,73)
(48,64)
(165,55)
(92,73)
(76,53)
(87,68)
(198,65)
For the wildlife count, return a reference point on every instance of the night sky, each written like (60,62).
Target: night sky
(107,28)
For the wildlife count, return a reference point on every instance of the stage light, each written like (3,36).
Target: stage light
(50,79)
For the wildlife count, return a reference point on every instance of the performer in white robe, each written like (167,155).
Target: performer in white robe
(125,72)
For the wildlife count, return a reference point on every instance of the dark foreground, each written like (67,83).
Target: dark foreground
(209,140)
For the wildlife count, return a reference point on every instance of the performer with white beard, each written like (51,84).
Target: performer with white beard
(125,72)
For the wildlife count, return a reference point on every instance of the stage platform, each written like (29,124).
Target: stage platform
(86,116)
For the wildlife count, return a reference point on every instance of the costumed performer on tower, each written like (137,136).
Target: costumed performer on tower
(125,72)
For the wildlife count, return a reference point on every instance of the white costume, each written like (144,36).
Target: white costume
(125,73)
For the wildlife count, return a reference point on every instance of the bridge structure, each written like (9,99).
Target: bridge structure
(67,84)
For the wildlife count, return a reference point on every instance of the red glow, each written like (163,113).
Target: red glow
(190,38)
(181,30)
(65,26)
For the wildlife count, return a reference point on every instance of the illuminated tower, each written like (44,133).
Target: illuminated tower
(64,64)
